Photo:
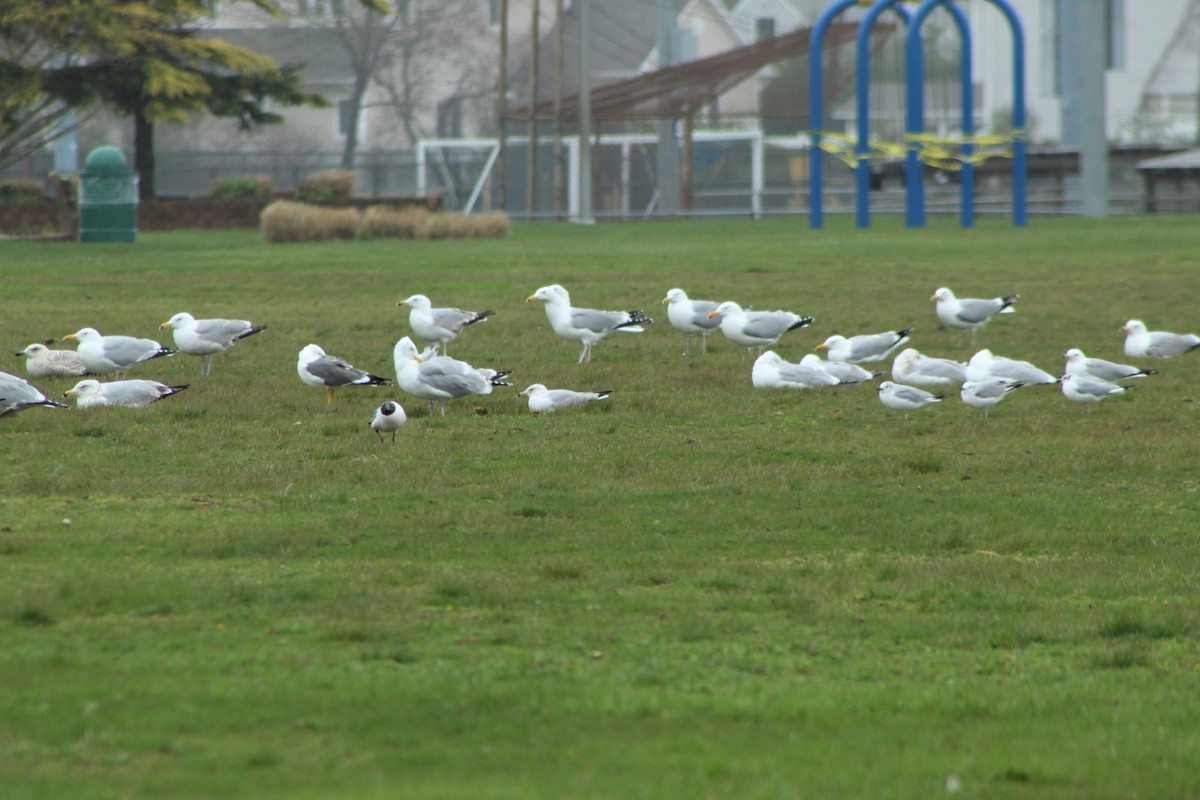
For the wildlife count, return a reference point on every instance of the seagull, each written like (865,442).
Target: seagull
(584,324)
(847,374)
(441,378)
(986,393)
(547,401)
(1089,390)
(691,317)
(899,397)
(913,367)
(755,328)
(42,362)
(133,394)
(1101,370)
(984,365)
(103,355)
(319,370)
(865,348)
(17,394)
(207,337)
(970,314)
(389,417)
(1140,343)
(772,372)
(439,324)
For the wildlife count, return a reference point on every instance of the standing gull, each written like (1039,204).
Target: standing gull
(905,398)
(439,324)
(42,362)
(755,328)
(103,355)
(691,317)
(133,394)
(16,394)
(986,393)
(865,348)
(207,337)
(1141,343)
(1089,390)
(970,314)
(441,378)
(846,374)
(984,365)
(328,372)
(547,401)
(1101,370)
(913,367)
(584,325)
(389,418)
(770,371)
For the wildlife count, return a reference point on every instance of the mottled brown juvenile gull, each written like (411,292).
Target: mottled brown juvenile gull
(132,394)
(42,362)
(1141,343)
(586,325)
(105,355)
(319,370)
(439,324)
(691,317)
(207,337)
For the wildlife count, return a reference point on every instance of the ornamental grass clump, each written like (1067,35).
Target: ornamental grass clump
(286,221)
(330,186)
(380,222)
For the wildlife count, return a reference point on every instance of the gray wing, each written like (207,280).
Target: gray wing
(597,321)
(333,371)
(990,390)
(1163,344)
(447,375)
(17,391)
(700,311)
(798,373)
(132,393)
(974,311)
(1094,388)
(1021,371)
(870,345)
(911,394)
(847,373)
(452,319)
(567,398)
(1109,371)
(221,331)
(766,324)
(942,368)
(127,350)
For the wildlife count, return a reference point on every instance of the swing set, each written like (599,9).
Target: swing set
(919,149)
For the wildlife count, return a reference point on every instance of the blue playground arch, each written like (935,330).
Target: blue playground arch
(914,80)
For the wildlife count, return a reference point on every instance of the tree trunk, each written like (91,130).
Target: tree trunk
(143,154)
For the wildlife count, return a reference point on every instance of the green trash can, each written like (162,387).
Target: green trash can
(107,198)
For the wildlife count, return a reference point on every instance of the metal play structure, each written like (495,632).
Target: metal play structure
(917,145)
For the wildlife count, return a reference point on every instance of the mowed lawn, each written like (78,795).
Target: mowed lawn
(692,589)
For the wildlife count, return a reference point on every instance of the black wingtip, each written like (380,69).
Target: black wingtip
(801,323)
(251,332)
(904,332)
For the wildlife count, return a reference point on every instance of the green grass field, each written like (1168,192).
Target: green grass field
(695,589)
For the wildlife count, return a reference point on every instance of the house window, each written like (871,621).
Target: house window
(348,113)
(764,28)
(493,12)
(450,118)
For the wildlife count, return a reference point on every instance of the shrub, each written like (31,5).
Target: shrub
(241,187)
(331,186)
(285,221)
(491,226)
(386,221)
(22,190)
